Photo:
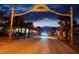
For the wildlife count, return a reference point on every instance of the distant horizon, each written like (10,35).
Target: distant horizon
(46,22)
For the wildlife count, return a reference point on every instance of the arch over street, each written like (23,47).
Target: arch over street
(44,8)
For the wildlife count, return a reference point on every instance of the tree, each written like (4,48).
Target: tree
(38,28)
(2,16)
(64,26)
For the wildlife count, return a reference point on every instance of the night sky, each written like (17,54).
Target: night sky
(41,19)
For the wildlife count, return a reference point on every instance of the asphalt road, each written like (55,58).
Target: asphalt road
(36,46)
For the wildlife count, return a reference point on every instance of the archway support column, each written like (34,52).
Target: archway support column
(72,28)
(11,24)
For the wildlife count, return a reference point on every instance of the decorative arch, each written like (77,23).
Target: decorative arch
(44,8)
